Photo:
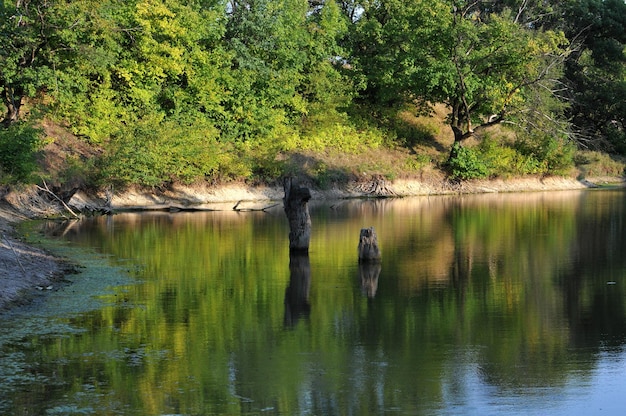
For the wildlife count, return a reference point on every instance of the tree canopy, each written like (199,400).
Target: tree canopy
(165,83)
(480,63)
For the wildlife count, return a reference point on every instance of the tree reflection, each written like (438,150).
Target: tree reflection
(501,293)
(297,293)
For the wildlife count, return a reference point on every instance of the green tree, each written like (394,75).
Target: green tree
(19,144)
(168,81)
(140,59)
(148,87)
(86,95)
(483,65)
(326,84)
(28,33)
(597,71)
(268,40)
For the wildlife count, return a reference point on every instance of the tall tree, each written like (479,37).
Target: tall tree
(597,72)
(286,66)
(144,59)
(482,64)
(326,86)
(28,32)
(268,40)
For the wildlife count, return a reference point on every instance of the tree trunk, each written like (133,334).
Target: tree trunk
(13,103)
(458,134)
(458,138)
(296,207)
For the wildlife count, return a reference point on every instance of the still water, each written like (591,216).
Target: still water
(484,305)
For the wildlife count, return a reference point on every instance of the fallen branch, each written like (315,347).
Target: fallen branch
(46,189)
(264,209)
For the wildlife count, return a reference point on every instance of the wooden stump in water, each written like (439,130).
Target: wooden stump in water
(297,209)
(368,246)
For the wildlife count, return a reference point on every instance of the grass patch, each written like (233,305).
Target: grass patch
(596,164)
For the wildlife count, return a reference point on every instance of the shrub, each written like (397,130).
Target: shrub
(19,144)
(556,156)
(465,163)
(593,163)
(338,132)
(151,153)
(504,161)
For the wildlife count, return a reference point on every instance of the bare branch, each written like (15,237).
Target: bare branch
(46,189)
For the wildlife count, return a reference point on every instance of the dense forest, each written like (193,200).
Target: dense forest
(172,90)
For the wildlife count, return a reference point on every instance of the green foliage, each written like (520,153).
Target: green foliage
(478,62)
(19,144)
(505,161)
(597,72)
(465,163)
(24,69)
(144,79)
(267,39)
(493,157)
(339,135)
(153,152)
(555,155)
(597,164)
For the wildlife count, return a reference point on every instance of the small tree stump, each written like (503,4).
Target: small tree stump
(296,207)
(368,246)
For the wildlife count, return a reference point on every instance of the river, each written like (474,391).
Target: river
(482,305)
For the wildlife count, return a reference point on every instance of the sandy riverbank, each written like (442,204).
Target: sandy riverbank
(25,269)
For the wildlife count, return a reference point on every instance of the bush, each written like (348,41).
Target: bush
(504,161)
(152,153)
(19,144)
(465,163)
(593,163)
(335,131)
(556,156)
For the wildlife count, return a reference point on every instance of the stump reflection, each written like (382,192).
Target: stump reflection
(297,293)
(369,272)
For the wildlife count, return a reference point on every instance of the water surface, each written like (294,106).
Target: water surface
(490,304)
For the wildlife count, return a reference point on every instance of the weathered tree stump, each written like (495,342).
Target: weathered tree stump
(296,207)
(376,186)
(368,246)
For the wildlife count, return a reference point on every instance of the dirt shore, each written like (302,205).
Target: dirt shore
(25,269)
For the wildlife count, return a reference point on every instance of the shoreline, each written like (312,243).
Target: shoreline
(26,269)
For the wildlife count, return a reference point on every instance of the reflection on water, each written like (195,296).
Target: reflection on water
(485,304)
(368,273)
(297,293)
